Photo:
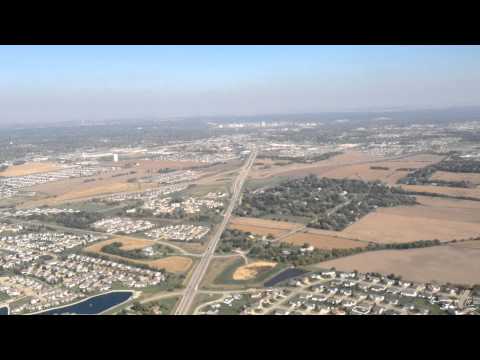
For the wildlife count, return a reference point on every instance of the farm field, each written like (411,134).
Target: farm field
(390,176)
(448,203)
(445,190)
(30,168)
(448,263)
(453,176)
(299,169)
(407,224)
(322,241)
(472,244)
(261,226)
(351,164)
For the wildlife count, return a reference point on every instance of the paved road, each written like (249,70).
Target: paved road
(200,270)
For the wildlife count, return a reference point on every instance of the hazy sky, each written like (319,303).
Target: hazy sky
(41,83)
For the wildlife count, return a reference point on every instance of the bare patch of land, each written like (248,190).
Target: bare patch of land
(250,271)
(454,264)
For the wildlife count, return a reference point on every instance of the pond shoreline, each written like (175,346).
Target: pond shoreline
(133,294)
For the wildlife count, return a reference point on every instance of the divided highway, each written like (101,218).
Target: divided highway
(200,270)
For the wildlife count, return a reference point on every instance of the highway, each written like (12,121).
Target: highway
(200,270)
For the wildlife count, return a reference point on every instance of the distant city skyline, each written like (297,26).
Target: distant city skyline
(93,83)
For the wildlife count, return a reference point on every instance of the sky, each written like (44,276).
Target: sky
(75,83)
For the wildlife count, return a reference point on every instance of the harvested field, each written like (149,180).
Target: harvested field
(448,203)
(471,244)
(407,224)
(321,241)
(300,169)
(250,271)
(454,176)
(454,264)
(351,164)
(445,190)
(261,226)
(30,168)
(390,176)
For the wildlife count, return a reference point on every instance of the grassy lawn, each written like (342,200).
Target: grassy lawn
(167,305)
(3,296)
(204,298)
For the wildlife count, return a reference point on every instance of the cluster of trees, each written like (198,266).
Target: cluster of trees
(80,220)
(165,170)
(459,165)
(423,176)
(115,248)
(300,255)
(150,308)
(235,239)
(317,199)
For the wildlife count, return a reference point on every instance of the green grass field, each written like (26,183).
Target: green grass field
(226,276)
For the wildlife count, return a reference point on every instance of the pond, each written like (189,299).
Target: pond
(92,306)
(4,310)
(284,275)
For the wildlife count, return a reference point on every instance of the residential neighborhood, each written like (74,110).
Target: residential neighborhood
(179,232)
(333,292)
(122,225)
